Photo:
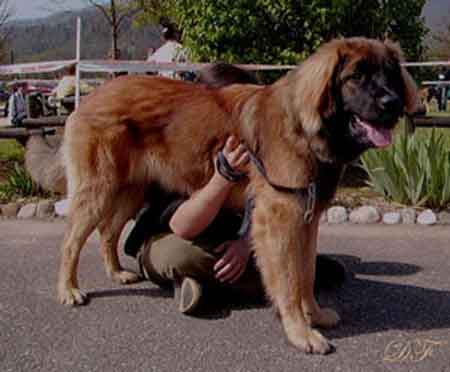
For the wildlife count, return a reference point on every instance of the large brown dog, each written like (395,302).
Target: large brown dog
(135,132)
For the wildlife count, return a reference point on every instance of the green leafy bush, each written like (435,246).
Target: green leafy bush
(18,184)
(11,150)
(415,170)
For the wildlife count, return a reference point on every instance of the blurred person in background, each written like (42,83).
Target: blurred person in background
(17,106)
(170,51)
(67,88)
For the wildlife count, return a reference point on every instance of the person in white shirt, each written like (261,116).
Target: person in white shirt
(170,51)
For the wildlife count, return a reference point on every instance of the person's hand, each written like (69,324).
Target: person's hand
(236,155)
(232,264)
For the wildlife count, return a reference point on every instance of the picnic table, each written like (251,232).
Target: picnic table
(43,126)
(46,121)
(431,121)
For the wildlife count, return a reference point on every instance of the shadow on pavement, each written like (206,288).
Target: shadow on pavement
(133,292)
(369,306)
(365,305)
(356,265)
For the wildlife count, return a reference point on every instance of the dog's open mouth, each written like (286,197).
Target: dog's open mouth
(378,136)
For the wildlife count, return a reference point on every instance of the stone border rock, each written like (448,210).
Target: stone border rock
(47,209)
(43,209)
(369,215)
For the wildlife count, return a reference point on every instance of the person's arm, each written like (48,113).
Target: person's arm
(195,214)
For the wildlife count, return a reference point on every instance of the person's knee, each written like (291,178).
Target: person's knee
(177,257)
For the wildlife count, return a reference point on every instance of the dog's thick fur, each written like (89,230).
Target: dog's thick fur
(135,132)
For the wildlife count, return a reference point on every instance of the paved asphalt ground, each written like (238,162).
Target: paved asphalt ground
(396,311)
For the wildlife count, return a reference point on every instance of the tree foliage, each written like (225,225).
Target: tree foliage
(398,20)
(155,10)
(285,31)
(5,15)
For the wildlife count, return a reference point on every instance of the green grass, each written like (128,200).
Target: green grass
(11,150)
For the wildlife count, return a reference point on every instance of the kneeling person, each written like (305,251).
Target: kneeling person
(196,242)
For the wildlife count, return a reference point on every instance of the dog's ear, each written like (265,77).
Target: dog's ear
(411,97)
(313,90)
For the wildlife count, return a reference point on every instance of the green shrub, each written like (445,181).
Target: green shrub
(11,150)
(18,184)
(415,170)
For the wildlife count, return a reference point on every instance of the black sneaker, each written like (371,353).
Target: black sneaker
(187,295)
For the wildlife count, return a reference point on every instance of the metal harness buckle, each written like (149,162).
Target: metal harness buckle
(310,203)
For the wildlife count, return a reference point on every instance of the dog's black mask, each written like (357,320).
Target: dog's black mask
(369,98)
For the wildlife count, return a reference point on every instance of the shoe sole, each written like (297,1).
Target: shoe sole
(190,294)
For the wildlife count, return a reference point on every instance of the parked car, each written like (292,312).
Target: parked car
(4,95)
(4,102)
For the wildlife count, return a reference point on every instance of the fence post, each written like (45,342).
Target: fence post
(78,58)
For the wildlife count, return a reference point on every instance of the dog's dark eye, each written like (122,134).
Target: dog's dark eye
(358,76)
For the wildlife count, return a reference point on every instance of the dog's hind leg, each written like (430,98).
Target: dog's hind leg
(82,221)
(125,207)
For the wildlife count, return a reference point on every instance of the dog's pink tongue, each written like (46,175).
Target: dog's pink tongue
(380,137)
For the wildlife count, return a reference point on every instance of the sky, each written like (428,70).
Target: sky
(38,8)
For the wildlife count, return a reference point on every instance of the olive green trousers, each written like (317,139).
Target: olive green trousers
(168,258)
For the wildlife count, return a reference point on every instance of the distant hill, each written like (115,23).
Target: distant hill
(437,14)
(53,38)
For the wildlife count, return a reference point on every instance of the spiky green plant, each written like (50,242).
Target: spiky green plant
(18,184)
(415,170)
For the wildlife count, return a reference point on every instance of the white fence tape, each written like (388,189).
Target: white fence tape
(117,66)
(34,68)
(427,64)
(436,82)
(143,66)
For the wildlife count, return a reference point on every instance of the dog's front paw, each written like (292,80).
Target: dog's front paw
(71,297)
(125,277)
(311,342)
(325,318)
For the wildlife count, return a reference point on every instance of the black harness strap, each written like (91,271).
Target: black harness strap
(306,195)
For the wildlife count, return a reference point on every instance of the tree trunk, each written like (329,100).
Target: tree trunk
(114,31)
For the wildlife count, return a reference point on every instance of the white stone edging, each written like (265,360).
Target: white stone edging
(47,209)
